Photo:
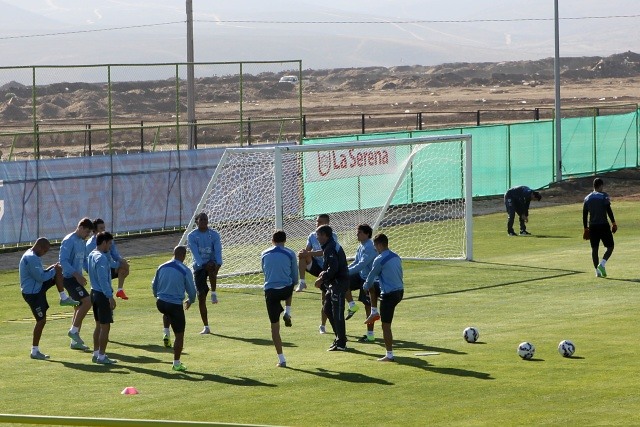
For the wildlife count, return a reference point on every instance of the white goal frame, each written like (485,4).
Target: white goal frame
(279,174)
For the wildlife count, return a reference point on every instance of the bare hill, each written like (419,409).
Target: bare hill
(155,100)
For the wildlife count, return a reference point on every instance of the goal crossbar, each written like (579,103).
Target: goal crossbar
(420,189)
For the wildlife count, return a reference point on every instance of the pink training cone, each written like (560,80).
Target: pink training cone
(129,390)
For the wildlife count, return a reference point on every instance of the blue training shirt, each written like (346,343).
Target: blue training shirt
(387,267)
(32,274)
(205,246)
(280,267)
(171,281)
(113,254)
(72,254)
(365,254)
(99,270)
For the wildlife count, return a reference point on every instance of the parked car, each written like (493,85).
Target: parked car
(288,79)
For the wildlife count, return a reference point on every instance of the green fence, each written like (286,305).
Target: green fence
(524,153)
(59,111)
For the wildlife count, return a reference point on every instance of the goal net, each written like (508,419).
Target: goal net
(415,190)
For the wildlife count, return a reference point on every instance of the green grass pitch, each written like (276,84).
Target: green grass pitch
(540,289)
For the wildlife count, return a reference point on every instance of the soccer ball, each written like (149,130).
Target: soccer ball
(566,348)
(471,334)
(526,350)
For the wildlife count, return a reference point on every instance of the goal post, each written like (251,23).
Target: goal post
(415,190)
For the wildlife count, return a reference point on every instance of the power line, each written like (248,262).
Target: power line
(415,21)
(90,31)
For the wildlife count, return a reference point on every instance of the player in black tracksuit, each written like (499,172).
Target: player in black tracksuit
(335,277)
(517,200)
(596,208)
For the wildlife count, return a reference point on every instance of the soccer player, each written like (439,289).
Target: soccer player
(119,265)
(72,258)
(310,259)
(280,269)
(517,200)
(387,268)
(99,269)
(596,208)
(35,281)
(169,285)
(335,278)
(358,271)
(206,248)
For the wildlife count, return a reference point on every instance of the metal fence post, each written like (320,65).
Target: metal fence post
(362,120)
(141,136)
(248,130)
(304,126)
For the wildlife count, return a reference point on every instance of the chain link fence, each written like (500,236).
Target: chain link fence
(62,111)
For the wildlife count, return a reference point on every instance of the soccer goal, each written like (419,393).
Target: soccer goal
(415,190)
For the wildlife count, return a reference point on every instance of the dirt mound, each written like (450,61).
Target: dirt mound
(11,112)
(156,98)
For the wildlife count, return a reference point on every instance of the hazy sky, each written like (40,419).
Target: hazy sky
(324,34)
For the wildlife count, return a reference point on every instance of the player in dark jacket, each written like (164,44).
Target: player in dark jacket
(517,200)
(335,277)
(596,208)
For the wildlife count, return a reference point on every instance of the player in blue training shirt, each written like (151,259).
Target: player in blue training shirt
(35,281)
(517,200)
(280,269)
(358,271)
(119,265)
(206,248)
(99,269)
(387,268)
(596,208)
(72,258)
(169,285)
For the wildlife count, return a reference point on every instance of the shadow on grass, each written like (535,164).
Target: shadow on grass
(412,345)
(151,348)
(200,376)
(133,359)
(558,273)
(351,377)
(89,366)
(126,369)
(623,280)
(378,347)
(254,341)
(425,366)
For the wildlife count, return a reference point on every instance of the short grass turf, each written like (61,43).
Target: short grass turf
(540,289)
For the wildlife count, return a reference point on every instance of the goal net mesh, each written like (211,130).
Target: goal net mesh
(413,192)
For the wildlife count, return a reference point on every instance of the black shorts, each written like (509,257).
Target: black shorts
(600,233)
(315,268)
(38,302)
(102,312)
(364,296)
(175,313)
(273,299)
(76,290)
(355,282)
(200,277)
(388,304)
